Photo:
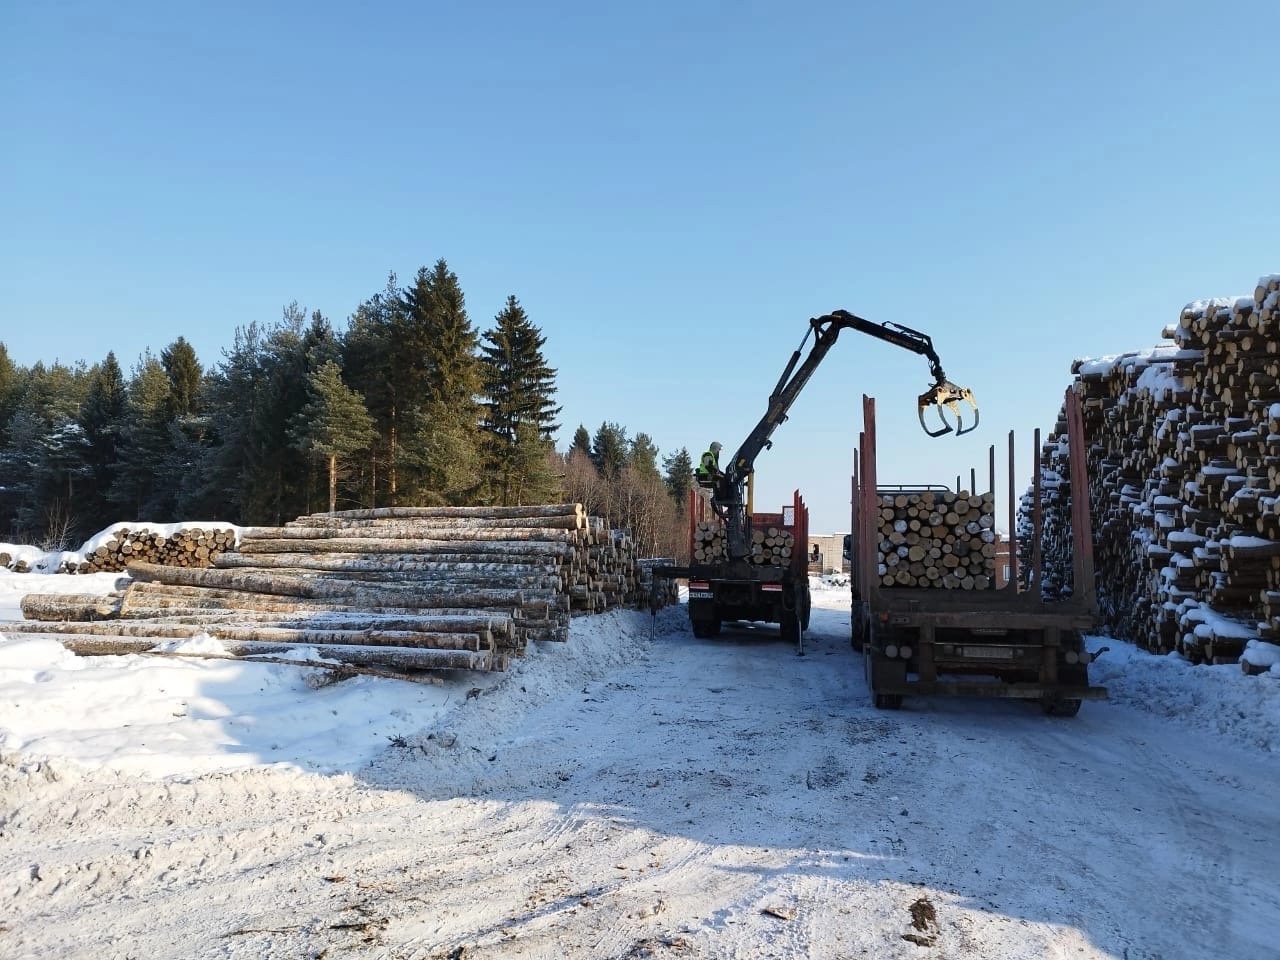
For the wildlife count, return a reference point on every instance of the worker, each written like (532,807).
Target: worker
(708,471)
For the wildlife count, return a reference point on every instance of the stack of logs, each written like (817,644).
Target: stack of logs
(187,546)
(400,587)
(771,546)
(1184,465)
(937,539)
(1055,545)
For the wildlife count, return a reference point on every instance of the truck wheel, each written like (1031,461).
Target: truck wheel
(1055,707)
(701,629)
(1062,706)
(806,606)
(790,626)
(888,701)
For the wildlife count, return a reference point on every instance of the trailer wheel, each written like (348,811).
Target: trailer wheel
(888,701)
(1065,706)
(1055,707)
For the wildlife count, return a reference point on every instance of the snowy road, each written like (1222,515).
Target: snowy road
(691,799)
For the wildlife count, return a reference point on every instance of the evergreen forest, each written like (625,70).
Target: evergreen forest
(410,404)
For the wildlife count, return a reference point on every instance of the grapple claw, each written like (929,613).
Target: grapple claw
(945,394)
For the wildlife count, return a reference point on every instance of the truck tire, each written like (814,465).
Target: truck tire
(1054,707)
(789,625)
(701,629)
(806,605)
(1065,706)
(887,701)
(857,629)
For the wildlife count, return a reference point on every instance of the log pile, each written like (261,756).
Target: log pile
(939,539)
(770,545)
(405,587)
(1184,466)
(187,546)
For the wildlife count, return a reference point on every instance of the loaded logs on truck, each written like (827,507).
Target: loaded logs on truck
(936,538)
(769,544)
(438,587)
(1184,461)
(919,638)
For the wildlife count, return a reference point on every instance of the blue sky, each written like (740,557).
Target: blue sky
(671,190)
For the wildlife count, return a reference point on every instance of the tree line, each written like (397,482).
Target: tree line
(411,404)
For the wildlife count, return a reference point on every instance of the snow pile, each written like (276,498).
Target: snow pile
(1217,698)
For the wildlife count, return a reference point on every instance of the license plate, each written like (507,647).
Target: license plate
(989,653)
(701,595)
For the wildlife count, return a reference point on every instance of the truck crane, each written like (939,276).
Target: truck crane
(735,588)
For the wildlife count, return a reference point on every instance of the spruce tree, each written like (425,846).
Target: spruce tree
(10,386)
(102,418)
(609,449)
(140,490)
(519,410)
(581,442)
(643,455)
(678,475)
(370,361)
(436,355)
(333,424)
(185,375)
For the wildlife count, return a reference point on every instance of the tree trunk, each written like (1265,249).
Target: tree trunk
(333,482)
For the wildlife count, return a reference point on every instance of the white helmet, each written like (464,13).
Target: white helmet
(715,446)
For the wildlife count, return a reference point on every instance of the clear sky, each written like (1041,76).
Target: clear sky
(670,189)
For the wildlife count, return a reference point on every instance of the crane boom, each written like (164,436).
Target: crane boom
(728,498)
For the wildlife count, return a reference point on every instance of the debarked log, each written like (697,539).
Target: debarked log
(386,563)
(536,510)
(402,658)
(476,548)
(166,628)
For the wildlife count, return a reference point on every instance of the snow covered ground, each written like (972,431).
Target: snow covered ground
(618,796)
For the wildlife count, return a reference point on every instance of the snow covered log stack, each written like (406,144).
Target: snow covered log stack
(937,539)
(401,587)
(1184,467)
(183,547)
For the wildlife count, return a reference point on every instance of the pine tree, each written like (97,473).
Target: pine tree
(518,411)
(185,375)
(678,475)
(334,423)
(102,418)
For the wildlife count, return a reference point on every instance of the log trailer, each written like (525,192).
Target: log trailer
(918,637)
(736,586)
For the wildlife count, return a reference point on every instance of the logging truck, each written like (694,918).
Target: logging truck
(930,613)
(752,566)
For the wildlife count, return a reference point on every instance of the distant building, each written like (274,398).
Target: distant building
(826,553)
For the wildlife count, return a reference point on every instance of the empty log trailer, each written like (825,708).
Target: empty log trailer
(939,625)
